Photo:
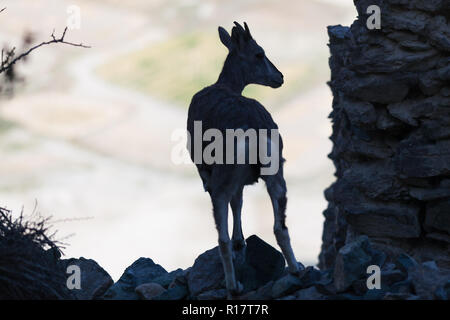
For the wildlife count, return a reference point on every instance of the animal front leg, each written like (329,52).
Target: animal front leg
(220,208)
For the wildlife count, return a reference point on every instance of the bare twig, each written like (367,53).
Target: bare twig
(1,10)
(10,60)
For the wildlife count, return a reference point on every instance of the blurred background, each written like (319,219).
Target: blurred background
(86,138)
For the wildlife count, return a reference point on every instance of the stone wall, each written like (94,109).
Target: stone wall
(391,132)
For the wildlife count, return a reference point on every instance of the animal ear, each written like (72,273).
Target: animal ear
(225,38)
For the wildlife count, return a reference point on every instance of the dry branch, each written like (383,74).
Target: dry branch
(9,60)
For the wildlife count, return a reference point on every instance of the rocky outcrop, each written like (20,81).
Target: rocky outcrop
(263,275)
(94,279)
(142,271)
(262,263)
(391,133)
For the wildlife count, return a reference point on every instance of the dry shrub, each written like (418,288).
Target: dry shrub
(30,265)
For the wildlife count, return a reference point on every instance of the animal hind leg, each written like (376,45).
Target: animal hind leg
(276,187)
(236,206)
(220,210)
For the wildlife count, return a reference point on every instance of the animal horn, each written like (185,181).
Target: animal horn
(247,30)
(241,30)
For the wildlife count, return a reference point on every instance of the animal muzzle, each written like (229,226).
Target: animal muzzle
(277,81)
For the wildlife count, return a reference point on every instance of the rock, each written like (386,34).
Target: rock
(94,279)
(180,280)
(420,160)
(388,278)
(430,265)
(286,285)
(263,263)
(263,293)
(430,84)
(338,33)
(326,283)
(374,88)
(291,297)
(356,144)
(411,20)
(399,219)
(443,291)
(310,293)
(218,294)
(167,278)
(398,296)
(291,283)
(430,193)
(310,276)
(374,294)
(359,113)
(174,293)
(346,296)
(438,215)
(391,134)
(405,262)
(384,183)
(143,270)
(351,263)
(427,280)
(206,273)
(386,122)
(439,236)
(410,111)
(147,291)
(402,287)
(359,287)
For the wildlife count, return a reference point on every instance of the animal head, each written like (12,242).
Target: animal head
(250,58)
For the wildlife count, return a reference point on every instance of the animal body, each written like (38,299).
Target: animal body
(221,106)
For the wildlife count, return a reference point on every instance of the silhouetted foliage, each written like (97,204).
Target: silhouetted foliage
(29,259)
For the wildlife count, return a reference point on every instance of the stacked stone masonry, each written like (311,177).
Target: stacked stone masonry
(391,132)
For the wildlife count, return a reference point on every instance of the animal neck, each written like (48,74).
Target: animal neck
(231,75)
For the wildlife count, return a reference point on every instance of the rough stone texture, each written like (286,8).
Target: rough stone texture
(402,279)
(262,264)
(391,134)
(352,261)
(428,281)
(148,291)
(143,270)
(178,292)
(94,279)
(218,294)
(167,279)
(206,273)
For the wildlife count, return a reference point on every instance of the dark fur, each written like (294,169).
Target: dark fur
(220,108)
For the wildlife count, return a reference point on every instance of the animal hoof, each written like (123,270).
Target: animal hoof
(236,292)
(295,270)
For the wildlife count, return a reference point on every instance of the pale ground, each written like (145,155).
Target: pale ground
(97,157)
